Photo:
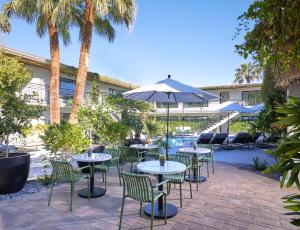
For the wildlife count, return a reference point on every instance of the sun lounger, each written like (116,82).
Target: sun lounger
(240,139)
(205,138)
(253,138)
(219,139)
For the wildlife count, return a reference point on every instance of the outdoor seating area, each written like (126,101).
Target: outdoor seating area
(230,199)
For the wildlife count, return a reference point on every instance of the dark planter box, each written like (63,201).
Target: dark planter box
(14,172)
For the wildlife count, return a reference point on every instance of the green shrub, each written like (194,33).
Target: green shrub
(240,126)
(153,128)
(259,165)
(63,140)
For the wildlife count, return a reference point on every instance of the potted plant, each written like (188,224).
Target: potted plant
(15,117)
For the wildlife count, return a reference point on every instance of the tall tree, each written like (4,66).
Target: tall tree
(5,28)
(247,72)
(272,35)
(99,16)
(41,13)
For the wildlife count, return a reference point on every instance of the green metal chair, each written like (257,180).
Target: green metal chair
(209,157)
(107,165)
(179,178)
(140,188)
(153,153)
(131,155)
(63,171)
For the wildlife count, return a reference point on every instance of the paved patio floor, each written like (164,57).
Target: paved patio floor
(229,199)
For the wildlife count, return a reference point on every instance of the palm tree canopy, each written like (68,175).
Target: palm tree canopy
(107,13)
(40,12)
(247,72)
(4,24)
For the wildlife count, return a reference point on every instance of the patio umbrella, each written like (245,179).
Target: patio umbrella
(257,108)
(168,91)
(234,107)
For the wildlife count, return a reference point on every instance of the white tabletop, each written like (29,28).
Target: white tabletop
(195,151)
(153,167)
(141,146)
(95,157)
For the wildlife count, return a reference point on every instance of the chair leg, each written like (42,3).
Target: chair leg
(119,175)
(131,167)
(50,195)
(152,215)
(72,195)
(165,204)
(191,193)
(180,190)
(103,180)
(105,185)
(207,168)
(122,210)
(197,178)
(89,194)
(213,166)
(141,205)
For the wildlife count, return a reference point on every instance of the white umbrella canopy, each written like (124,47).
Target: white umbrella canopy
(257,108)
(168,91)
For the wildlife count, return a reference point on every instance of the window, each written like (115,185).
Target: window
(66,88)
(165,105)
(64,116)
(112,91)
(224,96)
(251,97)
(195,104)
(195,118)
(249,118)
(171,118)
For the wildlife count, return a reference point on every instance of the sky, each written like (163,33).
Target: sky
(190,40)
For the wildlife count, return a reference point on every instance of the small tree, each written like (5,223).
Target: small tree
(15,113)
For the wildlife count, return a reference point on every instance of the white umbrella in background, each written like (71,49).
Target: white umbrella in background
(234,107)
(168,91)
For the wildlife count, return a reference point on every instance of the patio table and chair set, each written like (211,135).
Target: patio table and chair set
(137,184)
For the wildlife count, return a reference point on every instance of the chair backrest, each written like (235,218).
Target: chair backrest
(205,138)
(62,171)
(184,158)
(240,138)
(137,187)
(253,139)
(112,151)
(210,154)
(193,160)
(219,138)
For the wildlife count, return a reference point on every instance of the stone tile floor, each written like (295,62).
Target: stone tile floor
(229,199)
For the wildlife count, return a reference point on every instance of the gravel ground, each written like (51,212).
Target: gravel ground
(30,187)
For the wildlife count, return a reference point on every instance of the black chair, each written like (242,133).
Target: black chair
(253,138)
(240,139)
(218,138)
(205,138)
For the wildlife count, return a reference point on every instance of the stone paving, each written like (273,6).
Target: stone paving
(229,199)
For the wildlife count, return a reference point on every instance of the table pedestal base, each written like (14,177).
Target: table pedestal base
(194,178)
(160,214)
(96,193)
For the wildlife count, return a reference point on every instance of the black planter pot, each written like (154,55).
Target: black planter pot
(14,172)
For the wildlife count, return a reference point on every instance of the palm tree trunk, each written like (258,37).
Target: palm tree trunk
(86,36)
(3,35)
(54,74)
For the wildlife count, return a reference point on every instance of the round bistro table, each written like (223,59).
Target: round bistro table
(153,167)
(196,152)
(92,159)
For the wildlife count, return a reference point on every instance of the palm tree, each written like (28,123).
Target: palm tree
(97,15)
(5,28)
(41,12)
(247,72)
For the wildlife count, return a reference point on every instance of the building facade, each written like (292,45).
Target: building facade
(246,94)
(40,82)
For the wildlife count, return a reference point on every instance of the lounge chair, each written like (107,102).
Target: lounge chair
(269,141)
(253,138)
(218,138)
(240,139)
(205,138)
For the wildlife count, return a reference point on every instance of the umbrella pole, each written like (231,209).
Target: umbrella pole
(228,127)
(167,142)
